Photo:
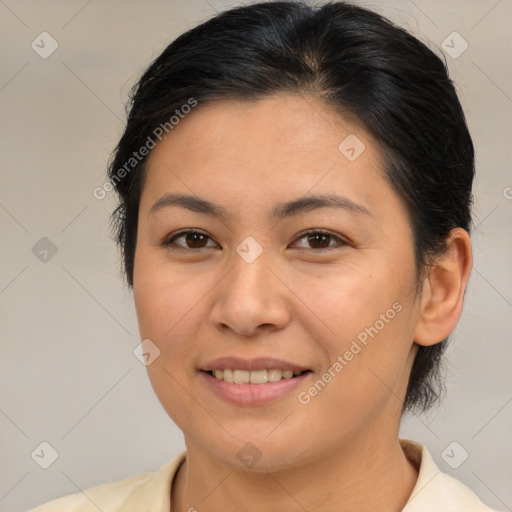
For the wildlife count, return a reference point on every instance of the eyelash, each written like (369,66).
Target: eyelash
(169,242)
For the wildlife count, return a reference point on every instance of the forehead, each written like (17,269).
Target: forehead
(268,149)
(287,121)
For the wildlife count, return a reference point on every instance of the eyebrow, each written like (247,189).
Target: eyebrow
(281,211)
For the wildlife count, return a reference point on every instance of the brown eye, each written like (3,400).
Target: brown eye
(320,240)
(195,240)
(192,240)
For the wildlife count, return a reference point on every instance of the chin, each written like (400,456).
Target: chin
(256,453)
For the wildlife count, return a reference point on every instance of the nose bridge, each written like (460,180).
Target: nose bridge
(251,295)
(249,277)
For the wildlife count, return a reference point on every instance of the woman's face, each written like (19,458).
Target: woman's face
(281,281)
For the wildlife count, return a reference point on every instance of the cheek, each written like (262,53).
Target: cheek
(349,303)
(163,296)
(367,337)
(171,306)
(166,303)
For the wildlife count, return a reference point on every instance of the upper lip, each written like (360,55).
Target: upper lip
(259,363)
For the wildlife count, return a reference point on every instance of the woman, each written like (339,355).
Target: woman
(295,192)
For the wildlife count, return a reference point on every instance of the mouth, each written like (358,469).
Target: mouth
(253,382)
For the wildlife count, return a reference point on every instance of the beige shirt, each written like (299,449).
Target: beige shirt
(434,491)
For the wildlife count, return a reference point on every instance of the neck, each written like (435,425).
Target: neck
(369,475)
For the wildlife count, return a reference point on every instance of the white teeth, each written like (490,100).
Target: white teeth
(258,377)
(274,375)
(241,376)
(253,377)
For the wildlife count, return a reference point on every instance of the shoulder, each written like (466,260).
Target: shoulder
(151,490)
(435,490)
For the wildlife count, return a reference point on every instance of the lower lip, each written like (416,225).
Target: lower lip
(253,394)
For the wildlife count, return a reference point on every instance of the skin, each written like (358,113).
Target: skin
(340,451)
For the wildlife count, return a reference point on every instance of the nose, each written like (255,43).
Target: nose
(251,298)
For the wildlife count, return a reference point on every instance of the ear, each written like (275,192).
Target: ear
(443,290)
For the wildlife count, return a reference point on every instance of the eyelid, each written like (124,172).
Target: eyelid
(168,241)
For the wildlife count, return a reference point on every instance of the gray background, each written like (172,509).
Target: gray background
(68,375)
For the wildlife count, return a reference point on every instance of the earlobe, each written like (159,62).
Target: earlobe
(443,290)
